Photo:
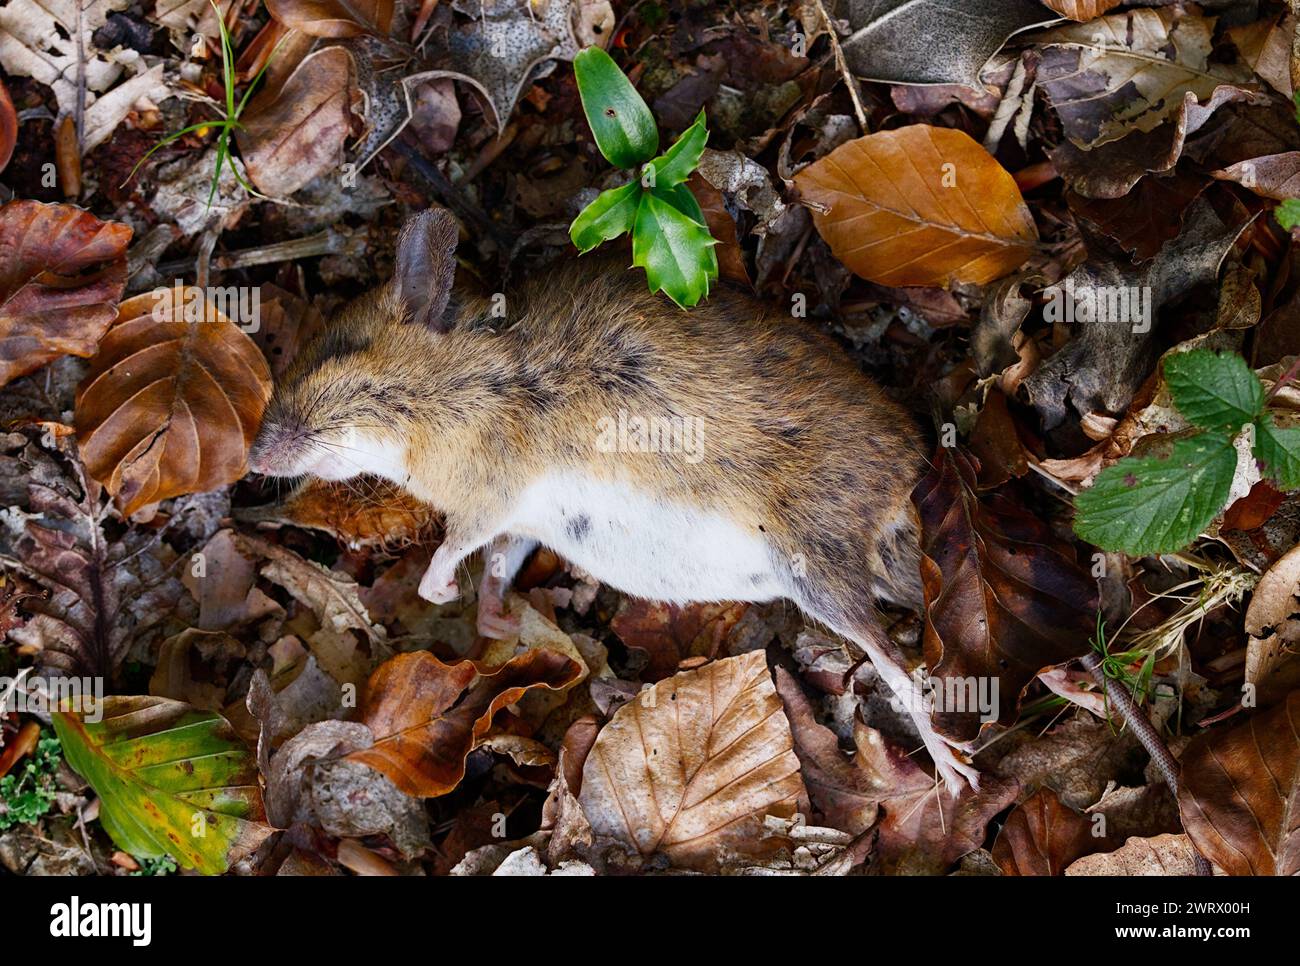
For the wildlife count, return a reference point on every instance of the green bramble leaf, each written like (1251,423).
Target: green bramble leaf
(171,780)
(624,129)
(676,164)
(1288,214)
(1158,504)
(611,214)
(675,249)
(1278,448)
(1214,391)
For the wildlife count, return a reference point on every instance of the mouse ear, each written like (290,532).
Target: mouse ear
(426,267)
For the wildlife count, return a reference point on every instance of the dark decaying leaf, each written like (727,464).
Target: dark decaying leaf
(334,18)
(62,271)
(933,41)
(1004,598)
(1145,218)
(671,633)
(1239,792)
(101,594)
(427,716)
(1101,369)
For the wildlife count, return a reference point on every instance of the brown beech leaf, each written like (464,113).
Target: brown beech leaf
(292,135)
(690,769)
(1082,10)
(1005,599)
(170,406)
(372,512)
(1239,793)
(1042,837)
(62,271)
(1273,629)
(427,716)
(919,205)
(334,18)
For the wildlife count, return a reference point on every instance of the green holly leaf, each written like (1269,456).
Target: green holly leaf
(1278,448)
(624,129)
(171,780)
(611,214)
(1288,214)
(1158,504)
(674,248)
(1214,391)
(676,164)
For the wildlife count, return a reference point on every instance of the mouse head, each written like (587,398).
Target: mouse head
(353,395)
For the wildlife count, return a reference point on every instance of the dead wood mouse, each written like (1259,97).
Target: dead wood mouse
(723,453)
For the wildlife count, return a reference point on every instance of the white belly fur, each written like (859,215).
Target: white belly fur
(643,546)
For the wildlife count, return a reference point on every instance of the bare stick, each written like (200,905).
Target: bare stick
(843,67)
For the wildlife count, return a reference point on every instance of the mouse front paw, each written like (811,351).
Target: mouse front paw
(438,589)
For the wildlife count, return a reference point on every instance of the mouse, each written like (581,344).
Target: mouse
(729,452)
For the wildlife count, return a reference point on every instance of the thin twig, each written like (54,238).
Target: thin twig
(840,63)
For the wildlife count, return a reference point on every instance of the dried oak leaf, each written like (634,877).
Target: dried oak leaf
(288,137)
(933,41)
(1005,599)
(172,401)
(1042,837)
(1129,71)
(62,271)
(919,205)
(691,768)
(1239,793)
(427,716)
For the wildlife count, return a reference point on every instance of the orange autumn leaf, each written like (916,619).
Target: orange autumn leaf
(428,716)
(919,205)
(1082,10)
(170,406)
(62,271)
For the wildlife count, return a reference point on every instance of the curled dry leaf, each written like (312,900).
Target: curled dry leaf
(61,274)
(334,18)
(427,716)
(919,205)
(691,768)
(671,633)
(170,406)
(290,136)
(1005,599)
(1239,793)
(1116,74)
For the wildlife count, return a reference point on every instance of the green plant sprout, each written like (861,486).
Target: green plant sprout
(27,795)
(1161,502)
(670,238)
(229,121)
